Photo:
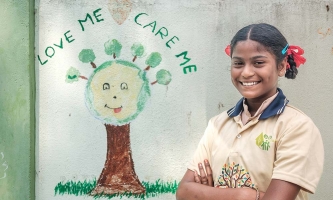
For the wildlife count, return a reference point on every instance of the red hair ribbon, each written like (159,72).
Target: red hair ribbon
(297,53)
(227,50)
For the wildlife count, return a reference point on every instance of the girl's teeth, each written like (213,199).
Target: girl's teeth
(251,83)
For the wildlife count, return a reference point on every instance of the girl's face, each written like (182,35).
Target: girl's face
(254,71)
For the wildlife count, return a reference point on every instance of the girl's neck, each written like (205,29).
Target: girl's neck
(253,106)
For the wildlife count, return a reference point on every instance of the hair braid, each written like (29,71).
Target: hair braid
(292,71)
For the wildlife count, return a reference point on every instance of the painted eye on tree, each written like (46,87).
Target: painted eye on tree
(123,86)
(106,86)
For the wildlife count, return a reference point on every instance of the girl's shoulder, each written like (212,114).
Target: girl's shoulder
(294,117)
(222,119)
(291,111)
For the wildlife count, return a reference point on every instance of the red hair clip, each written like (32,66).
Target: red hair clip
(227,50)
(297,53)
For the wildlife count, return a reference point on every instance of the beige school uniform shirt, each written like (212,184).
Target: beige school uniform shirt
(278,142)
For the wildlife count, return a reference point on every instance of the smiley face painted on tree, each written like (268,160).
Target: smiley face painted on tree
(116,92)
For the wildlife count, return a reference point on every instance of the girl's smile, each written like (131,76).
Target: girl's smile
(250,83)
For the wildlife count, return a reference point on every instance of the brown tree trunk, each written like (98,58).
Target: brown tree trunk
(134,58)
(152,83)
(118,175)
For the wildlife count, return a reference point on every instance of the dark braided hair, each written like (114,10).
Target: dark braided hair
(273,41)
(292,71)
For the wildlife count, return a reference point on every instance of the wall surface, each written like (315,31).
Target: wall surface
(17,100)
(166,126)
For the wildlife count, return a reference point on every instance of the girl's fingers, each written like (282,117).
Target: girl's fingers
(209,173)
(203,176)
(196,177)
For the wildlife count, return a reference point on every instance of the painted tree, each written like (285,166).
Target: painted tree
(87,56)
(137,51)
(153,60)
(113,47)
(116,93)
(163,77)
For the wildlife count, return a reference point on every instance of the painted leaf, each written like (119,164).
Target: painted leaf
(137,49)
(112,47)
(87,55)
(72,75)
(120,10)
(154,59)
(163,77)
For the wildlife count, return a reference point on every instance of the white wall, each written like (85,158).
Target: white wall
(72,143)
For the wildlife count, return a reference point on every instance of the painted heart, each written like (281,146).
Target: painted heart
(120,9)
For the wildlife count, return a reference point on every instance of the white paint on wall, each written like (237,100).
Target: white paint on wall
(3,167)
(72,143)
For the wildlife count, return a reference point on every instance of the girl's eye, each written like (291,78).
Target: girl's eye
(259,63)
(123,86)
(237,64)
(106,86)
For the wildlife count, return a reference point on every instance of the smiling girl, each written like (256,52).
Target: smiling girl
(262,148)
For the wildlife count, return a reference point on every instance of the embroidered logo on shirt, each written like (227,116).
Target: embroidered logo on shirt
(263,141)
(234,176)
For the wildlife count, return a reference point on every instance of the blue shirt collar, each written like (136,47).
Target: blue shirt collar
(275,108)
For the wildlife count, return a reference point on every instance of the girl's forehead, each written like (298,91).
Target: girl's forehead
(249,46)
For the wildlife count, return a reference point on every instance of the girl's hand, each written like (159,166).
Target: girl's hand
(205,178)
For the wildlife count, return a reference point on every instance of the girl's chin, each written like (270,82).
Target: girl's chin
(249,94)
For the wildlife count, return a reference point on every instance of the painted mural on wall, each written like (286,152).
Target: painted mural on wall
(116,99)
(121,78)
(116,93)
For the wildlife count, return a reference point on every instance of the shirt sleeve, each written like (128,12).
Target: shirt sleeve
(299,154)
(203,150)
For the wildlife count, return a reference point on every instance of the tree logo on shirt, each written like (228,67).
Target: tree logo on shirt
(263,141)
(234,176)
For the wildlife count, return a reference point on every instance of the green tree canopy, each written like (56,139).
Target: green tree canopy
(137,49)
(72,75)
(113,47)
(163,77)
(154,59)
(87,56)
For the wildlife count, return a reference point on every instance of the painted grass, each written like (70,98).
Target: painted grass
(83,188)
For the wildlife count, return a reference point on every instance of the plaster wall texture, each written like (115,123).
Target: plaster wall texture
(71,143)
(16,100)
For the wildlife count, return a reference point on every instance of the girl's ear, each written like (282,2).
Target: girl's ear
(283,67)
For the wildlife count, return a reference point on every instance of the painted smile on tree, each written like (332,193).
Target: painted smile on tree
(116,110)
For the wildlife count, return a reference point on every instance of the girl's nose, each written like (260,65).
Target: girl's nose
(247,71)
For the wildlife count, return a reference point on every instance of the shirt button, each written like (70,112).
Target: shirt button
(239,136)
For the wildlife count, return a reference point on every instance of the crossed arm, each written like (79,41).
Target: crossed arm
(195,186)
